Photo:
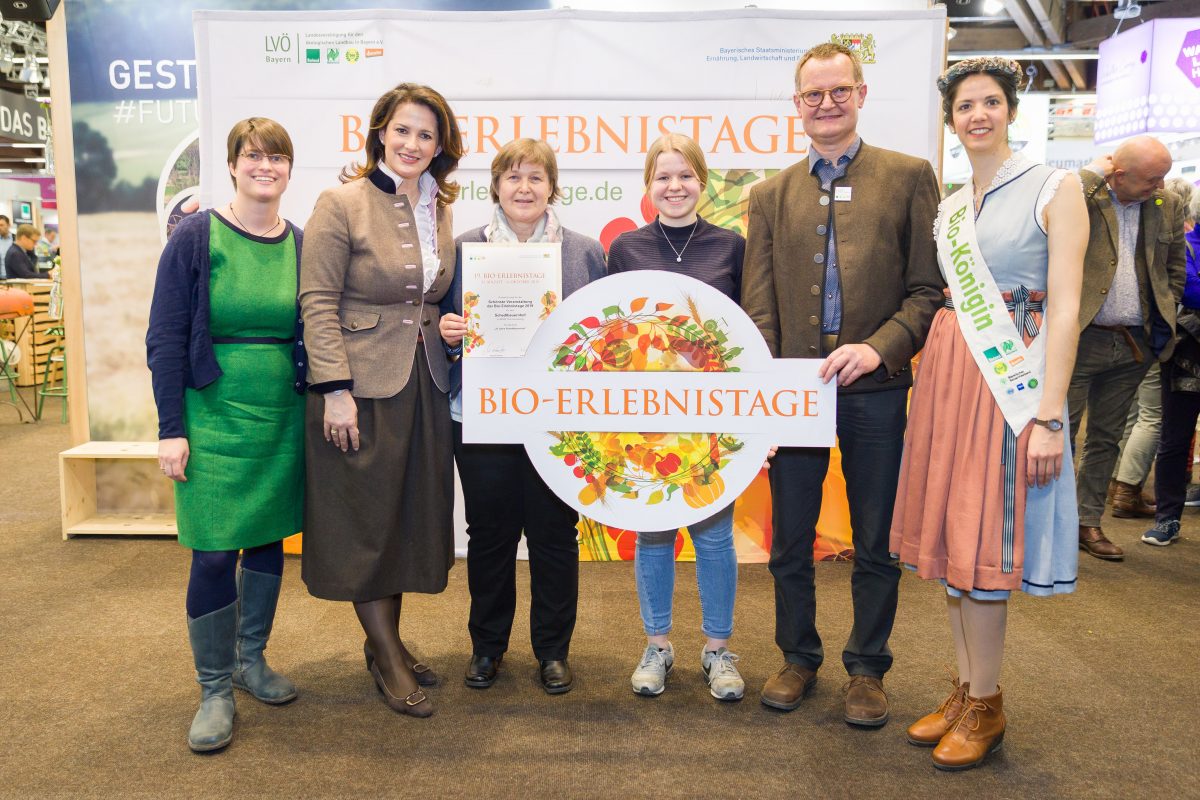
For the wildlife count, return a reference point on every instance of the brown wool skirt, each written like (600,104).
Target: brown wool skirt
(379,522)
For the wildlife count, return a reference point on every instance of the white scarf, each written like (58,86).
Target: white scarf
(547,230)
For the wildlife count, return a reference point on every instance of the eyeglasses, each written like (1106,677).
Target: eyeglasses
(838,94)
(274,159)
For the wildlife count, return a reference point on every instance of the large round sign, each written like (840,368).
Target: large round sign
(649,321)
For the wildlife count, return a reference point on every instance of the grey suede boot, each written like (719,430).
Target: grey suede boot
(258,595)
(213,637)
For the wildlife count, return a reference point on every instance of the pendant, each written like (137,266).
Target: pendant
(678,259)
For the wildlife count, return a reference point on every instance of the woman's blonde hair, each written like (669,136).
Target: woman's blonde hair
(676,143)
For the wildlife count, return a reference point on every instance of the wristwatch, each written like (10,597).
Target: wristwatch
(1053,424)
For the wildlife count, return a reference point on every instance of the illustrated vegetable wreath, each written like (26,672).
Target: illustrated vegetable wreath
(472,338)
(650,465)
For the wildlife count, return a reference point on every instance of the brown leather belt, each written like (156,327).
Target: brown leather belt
(828,343)
(1124,331)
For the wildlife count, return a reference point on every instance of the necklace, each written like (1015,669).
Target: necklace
(247,230)
(679,253)
(980,191)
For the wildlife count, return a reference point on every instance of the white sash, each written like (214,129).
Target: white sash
(1013,372)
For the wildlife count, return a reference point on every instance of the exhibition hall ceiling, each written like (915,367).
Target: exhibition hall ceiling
(24,85)
(1064,33)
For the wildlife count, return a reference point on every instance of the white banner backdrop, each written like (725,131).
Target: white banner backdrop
(600,87)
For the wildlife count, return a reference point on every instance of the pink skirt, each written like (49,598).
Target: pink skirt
(949,512)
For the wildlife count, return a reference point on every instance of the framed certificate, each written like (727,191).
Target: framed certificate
(508,290)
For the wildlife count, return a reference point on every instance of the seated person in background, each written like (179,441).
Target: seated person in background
(18,261)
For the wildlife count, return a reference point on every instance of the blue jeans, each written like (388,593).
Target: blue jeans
(716,575)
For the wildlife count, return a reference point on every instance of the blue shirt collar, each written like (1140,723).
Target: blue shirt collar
(815,158)
(1119,204)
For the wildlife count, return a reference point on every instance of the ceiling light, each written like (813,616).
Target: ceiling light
(951,33)
(992,7)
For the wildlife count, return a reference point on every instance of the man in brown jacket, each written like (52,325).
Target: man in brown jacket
(1133,276)
(841,265)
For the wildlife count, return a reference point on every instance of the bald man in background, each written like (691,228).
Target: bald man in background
(1133,276)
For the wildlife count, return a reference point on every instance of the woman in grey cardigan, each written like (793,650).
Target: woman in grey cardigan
(503,492)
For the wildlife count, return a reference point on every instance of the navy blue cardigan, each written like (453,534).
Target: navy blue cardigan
(179,347)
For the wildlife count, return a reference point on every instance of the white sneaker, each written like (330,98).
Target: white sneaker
(650,677)
(724,680)
(1192,499)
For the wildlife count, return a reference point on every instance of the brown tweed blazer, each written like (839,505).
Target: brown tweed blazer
(891,286)
(1160,260)
(361,290)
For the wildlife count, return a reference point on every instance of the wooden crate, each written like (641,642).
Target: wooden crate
(77,481)
(80,515)
(34,339)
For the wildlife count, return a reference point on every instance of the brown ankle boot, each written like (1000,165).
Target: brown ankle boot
(978,731)
(1127,502)
(929,729)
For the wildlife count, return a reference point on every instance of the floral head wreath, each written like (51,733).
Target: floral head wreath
(998,66)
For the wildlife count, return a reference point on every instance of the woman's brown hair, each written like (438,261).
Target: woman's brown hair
(266,134)
(525,151)
(449,139)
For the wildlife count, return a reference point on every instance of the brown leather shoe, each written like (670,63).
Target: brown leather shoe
(787,688)
(1127,502)
(978,731)
(1093,540)
(866,702)
(929,729)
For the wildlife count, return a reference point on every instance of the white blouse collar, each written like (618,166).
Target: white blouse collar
(1014,165)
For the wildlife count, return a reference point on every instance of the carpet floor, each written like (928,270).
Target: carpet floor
(97,687)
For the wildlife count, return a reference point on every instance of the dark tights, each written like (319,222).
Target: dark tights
(213,582)
(380,620)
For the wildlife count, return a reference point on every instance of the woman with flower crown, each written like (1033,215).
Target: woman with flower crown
(986,499)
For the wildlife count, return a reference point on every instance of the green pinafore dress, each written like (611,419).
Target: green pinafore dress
(245,474)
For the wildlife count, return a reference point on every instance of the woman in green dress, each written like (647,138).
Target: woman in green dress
(226,355)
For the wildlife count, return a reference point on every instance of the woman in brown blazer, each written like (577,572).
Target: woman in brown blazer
(379,255)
